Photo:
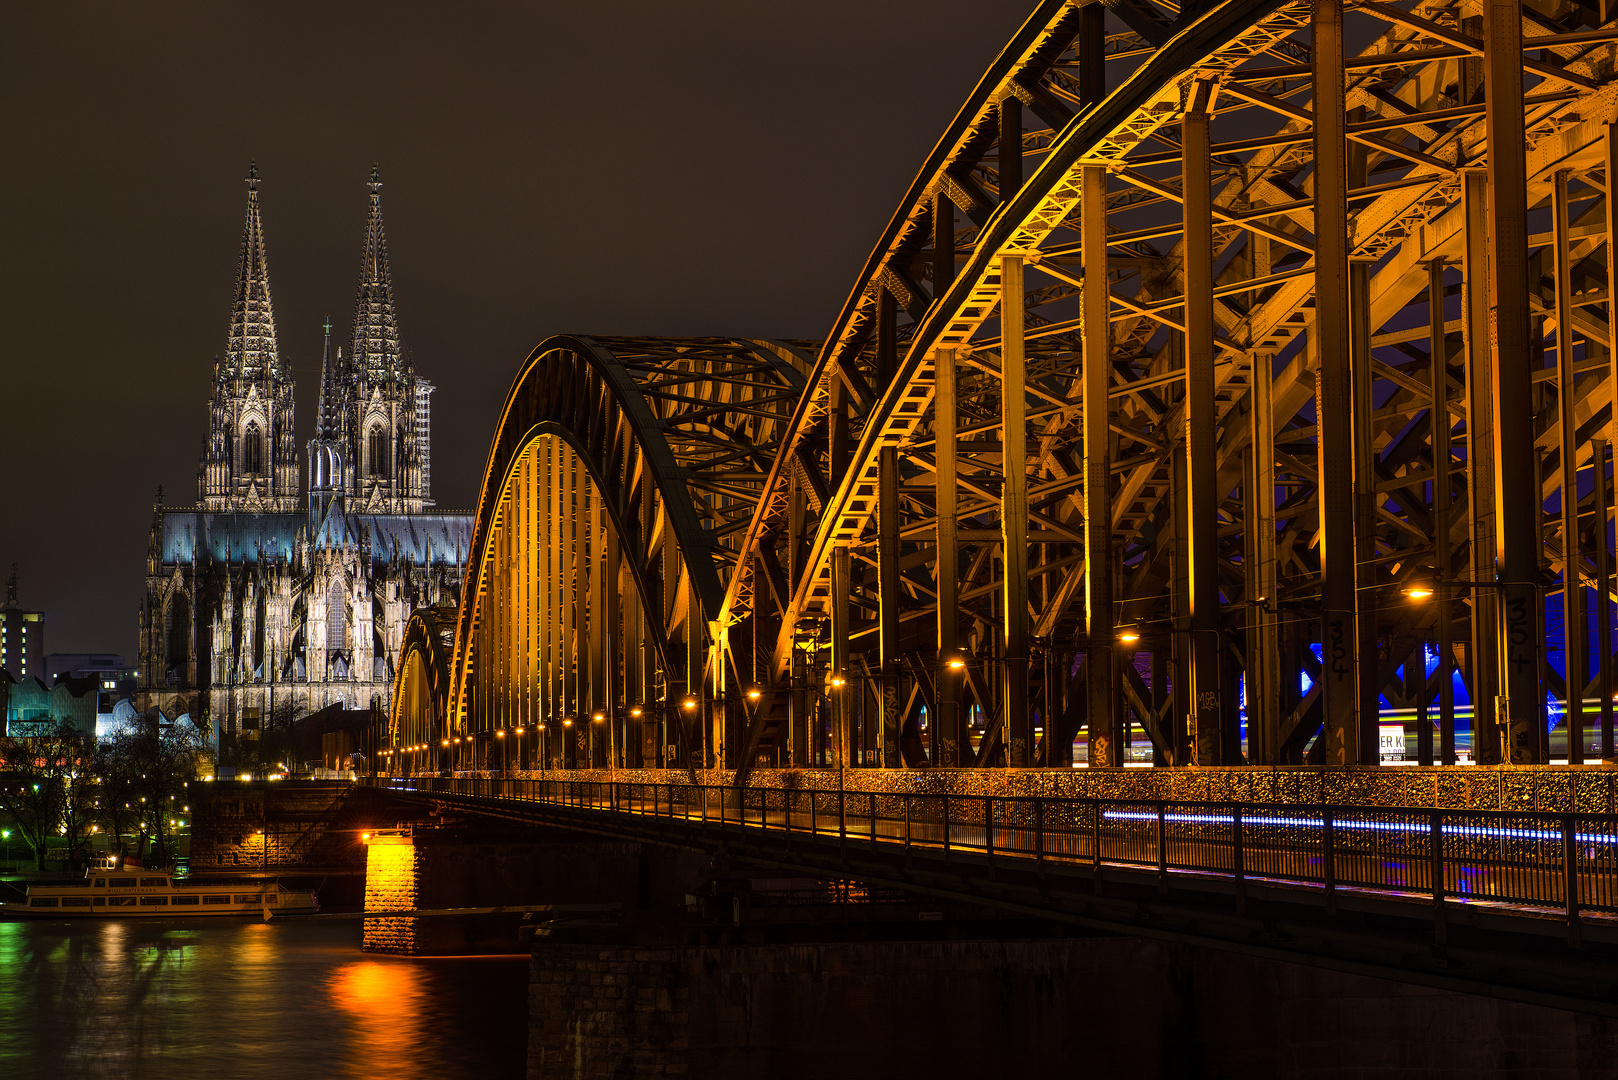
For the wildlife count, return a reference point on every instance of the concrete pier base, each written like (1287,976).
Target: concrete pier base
(1068,1007)
(449,868)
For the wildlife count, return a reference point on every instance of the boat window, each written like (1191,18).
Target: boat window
(101,901)
(272,898)
(216,899)
(42,901)
(122,882)
(75,901)
(247,899)
(154,901)
(153,882)
(101,883)
(120,901)
(185,900)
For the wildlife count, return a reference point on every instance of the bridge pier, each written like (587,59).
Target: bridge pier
(456,867)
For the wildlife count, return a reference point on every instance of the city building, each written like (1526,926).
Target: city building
(22,635)
(109,667)
(30,702)
(265,602)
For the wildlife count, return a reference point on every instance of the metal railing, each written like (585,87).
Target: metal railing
(1567,862)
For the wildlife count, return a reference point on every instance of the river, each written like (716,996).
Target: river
(241,999)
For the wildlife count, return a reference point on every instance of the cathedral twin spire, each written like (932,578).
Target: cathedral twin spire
(250,351)
(376,330)
(365,444)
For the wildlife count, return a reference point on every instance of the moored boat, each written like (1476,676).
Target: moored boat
(138,892)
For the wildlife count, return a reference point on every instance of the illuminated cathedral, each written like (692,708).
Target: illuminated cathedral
(287,587)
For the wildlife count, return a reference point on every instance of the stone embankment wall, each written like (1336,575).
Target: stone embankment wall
(1591,789)
(1102,1007)
(287,825)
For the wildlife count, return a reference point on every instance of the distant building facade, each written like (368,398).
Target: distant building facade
(265,602)
(22,635)
(109,667)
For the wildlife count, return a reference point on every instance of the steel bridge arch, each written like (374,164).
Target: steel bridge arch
(1076,366)
(666,440)
(421,687)
(874,384)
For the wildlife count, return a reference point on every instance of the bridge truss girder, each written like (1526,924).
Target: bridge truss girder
(1222,586)
(620,476)
(1252,468)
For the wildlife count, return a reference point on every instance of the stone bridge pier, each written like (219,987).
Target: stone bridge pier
(433,868)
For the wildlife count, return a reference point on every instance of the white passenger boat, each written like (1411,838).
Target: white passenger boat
(137,892)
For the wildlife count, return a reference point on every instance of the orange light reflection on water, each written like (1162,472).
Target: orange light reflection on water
(384,1001)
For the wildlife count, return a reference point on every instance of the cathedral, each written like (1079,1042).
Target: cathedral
(287,589)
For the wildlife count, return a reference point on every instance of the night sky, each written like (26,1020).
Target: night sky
(611,168)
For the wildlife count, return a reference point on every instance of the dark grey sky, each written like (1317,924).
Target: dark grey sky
(638,167)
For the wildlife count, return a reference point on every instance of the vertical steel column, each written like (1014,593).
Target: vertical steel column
(887,344)
(801,703)
(1333,391)
(1264,712)
(566,522)
(943,243)
(1092,54)
(945,725)
(1483,651)
(887,514)
(603,623)
(696,642)
(1575,641)
(671,723)
(1439,425)
(1014,510)
(1058,751)
(841,612)
(1517,496)
(1201,454)
(837,431)
(1104,737)
(1603,507)
(545,542)
(635,696)
(1010,161)
(582,679)
(1603,491)
(1368,678)
(531,622)
(1416,692)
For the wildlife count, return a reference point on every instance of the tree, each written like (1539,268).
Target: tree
(144,768)
(46,786)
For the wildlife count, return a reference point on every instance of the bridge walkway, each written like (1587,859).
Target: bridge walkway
(1520,905)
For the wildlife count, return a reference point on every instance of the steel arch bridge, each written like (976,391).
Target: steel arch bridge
(1214,381)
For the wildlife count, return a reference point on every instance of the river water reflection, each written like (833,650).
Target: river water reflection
(244,999)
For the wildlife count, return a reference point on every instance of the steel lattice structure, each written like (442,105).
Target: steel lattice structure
(1192,349)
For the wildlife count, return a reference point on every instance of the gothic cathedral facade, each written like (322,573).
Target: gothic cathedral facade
(271,599)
